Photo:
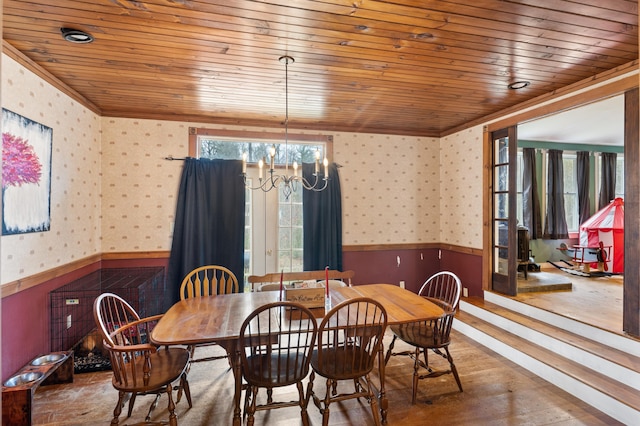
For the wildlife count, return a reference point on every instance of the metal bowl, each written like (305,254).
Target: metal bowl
(48,359)
(24,378)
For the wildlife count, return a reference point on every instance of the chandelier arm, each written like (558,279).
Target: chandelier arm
(265,185)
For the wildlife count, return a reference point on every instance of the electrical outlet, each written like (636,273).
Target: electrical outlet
(465,292)
(402,284)
(69,321)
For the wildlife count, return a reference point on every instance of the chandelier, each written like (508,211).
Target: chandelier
(274,178)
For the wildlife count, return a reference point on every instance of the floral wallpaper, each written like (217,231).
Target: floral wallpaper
(113,191)
(75,177)
(460,197)
(390,188)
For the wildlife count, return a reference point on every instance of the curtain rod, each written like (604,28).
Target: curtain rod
(172,158)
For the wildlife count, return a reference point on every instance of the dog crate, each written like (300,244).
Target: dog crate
(72,322)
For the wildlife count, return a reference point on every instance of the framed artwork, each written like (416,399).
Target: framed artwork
(26,175)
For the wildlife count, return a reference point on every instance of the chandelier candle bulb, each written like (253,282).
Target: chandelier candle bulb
(244,163)
(326,167)
(260,166)
(295,168)
(272,154)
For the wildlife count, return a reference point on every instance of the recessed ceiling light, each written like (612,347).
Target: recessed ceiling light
(76,36)
(519,85)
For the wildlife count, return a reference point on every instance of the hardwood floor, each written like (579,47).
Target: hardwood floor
(496,392)
(592,300)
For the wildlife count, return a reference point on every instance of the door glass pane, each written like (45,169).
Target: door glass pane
(501,205)
(501,154)
(501,233)
(501,256)
(501,178)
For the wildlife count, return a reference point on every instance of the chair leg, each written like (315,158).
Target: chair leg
(416,376)
(310,393)
(303,404)
(132,400)
(152,407)
(373,402)
(390,350)
(184,385)
(118,409)
(454,370)
(252,394)
(173,419)
(327,400)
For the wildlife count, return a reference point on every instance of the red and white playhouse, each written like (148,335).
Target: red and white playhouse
(607,226)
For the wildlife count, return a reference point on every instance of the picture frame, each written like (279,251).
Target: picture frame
(26,174)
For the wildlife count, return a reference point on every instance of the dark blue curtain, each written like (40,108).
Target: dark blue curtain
(322,217)
(209,223)
(584,203)
(531,213)
(555,224)
(607,179)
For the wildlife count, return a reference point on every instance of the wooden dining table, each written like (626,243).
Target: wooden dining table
(217,319)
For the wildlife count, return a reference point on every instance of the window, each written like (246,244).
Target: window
(273,222)
(620,176)
(519,188)
(569,164)
(619,191)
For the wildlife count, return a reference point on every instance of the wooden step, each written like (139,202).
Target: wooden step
(505,336)
(620,365)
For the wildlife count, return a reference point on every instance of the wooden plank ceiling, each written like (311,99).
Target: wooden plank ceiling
(418,67)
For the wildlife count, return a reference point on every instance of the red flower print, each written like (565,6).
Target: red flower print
(20,164)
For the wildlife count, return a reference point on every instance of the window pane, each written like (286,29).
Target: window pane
(211,147)
(501,178)
(501,236)
(519,187)
(284,213)
(569,164)
(296,261)
(620,176)
(296,238)
(501,151)
(501,203)
(284,238)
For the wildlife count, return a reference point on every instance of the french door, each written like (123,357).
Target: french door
(504,211)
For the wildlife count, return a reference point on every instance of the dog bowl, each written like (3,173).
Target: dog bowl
(23,379)
(47,359)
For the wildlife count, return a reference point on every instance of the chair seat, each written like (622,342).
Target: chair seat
(168,365)
(420,334)
(342,364)
(276,369)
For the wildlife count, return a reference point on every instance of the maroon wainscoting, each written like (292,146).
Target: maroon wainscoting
(381,266)
(25,321)
(468,267)
(26,331)
(416,265)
